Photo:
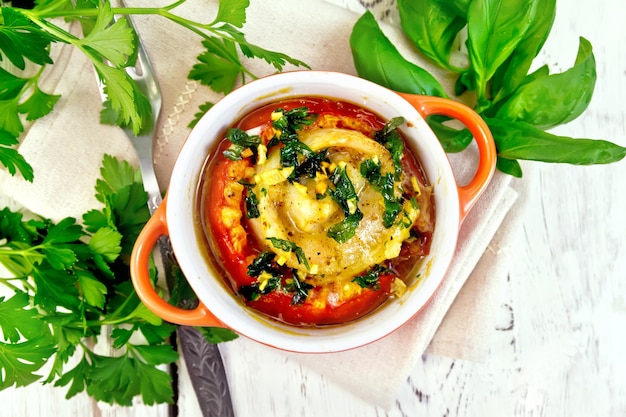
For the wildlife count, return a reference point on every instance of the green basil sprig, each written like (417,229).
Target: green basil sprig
(503,39)
(378,60)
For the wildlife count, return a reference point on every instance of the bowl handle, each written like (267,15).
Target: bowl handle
(468,193)
(139,260)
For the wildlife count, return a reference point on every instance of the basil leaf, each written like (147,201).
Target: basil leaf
(452,140)
(495,28)
(378,60)
(511,74)
(509,166)
(520,140)
(457,6)
(432,27)
(550,100)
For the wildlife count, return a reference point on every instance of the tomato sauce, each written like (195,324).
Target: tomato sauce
(293,293)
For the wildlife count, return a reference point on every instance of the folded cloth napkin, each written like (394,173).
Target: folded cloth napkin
(66,149)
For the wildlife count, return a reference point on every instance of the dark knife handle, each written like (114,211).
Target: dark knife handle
(206,370)
(203,359)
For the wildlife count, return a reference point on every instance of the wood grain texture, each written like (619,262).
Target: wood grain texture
(555,340)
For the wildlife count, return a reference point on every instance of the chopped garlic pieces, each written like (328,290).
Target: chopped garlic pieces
(274,176)
(230,216)
(398,287)
(302,189)
(262,154)
(263,280)
(415,185)
(246,153)
(352,205)
(321,184)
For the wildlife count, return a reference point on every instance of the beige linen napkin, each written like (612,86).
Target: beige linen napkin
(66,148)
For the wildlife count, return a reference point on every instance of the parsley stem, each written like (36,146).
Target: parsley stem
(58,32)
(7,283)
(204,30)
(104,322)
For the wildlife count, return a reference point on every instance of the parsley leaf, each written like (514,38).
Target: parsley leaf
(371,278)
(113,42)
(345,195)
(300,290)
(205,107)
(384,184)
(252,203)
(77,376)
(263,263)
(20,360)
(289,246)
(70,281)
(20,38)
(93,291)
(11,158)
(106,242)
(240,141)
(291,121)
(110,43)
(10,85)
(122,95)
(295,153)
(9,118)
(390,138)
(118,379)
(39,104)
(345,229)
(55,288)
(233,11)
(219,66)
(17,321)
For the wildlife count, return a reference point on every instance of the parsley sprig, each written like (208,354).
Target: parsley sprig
(289,246)
(69,284)
(294,153)
(386,186)
(110,44)
(371,278)
(270,275)
(503,41)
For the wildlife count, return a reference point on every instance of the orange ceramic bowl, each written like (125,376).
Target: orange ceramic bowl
(177,216)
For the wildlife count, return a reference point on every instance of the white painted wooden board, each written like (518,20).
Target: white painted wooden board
(555,340)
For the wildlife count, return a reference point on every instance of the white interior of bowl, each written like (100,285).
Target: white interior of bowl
(181,205)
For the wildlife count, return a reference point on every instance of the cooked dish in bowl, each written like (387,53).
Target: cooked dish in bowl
(315,211)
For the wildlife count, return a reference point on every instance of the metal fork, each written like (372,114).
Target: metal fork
(203,360)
